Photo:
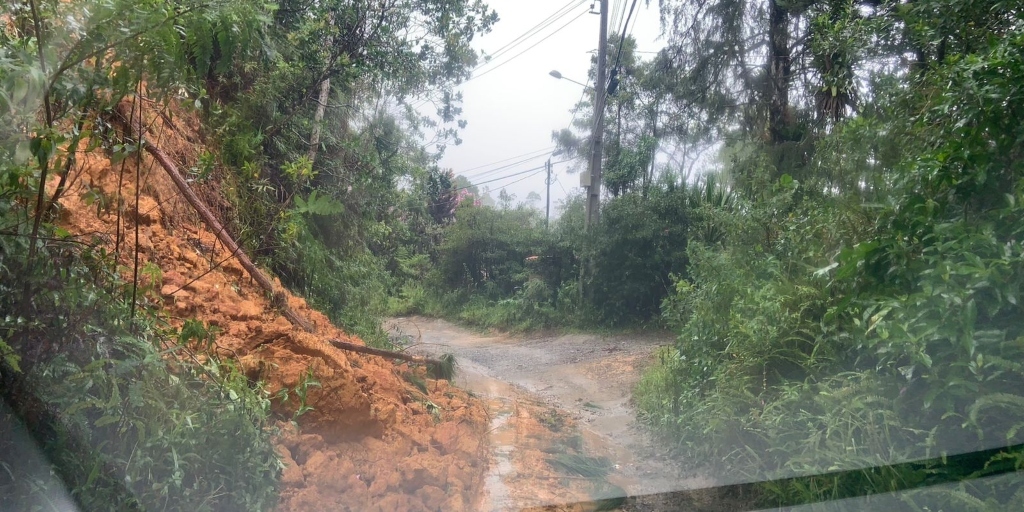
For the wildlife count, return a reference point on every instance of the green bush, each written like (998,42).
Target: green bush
(833,339)
(128,415)
(639,244)
(530,308)
(502,268)
(485,250)
(351,289)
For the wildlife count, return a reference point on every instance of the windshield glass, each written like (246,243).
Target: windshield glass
(506,255)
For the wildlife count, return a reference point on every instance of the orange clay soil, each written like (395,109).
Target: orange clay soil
(372,441)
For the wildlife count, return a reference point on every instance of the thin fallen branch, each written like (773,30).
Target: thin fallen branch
(352,347)
(134,128)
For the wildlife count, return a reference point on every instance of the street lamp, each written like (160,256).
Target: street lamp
(559,76)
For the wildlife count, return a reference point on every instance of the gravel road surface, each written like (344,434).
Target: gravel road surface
(589,377)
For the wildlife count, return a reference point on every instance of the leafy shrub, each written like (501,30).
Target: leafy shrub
(639,244)
(485,250)
(350,289)
(821,335)
(128,415)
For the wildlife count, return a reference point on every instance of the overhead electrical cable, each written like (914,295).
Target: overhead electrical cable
(554,17)
(534,170)
(542,169)
(562,11)
(629,29)
(622,36)
(512,175)
(559,181)
(613,80)
(528,153)
(543,24)
(622,14)
(506,166)
(514,57)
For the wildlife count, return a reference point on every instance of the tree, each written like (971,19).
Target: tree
(442,197)
(778,96)
(632,115)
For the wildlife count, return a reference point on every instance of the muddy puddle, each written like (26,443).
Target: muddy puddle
(563,431)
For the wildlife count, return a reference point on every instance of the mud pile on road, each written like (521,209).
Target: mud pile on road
(371,441)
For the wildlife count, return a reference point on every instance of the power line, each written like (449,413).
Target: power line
(622,38)
(629,30)
(559,181)
(506,166)
(514,57)
(511,176)
(543,150)
(542,169)
(622,14)
(546,22)
(534,170)
(528,153)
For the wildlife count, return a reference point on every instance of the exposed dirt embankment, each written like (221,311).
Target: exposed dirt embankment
(372,441)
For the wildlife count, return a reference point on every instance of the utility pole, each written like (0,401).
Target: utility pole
(597,136)
(547,217)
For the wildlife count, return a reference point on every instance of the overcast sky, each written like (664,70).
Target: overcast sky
(513,109)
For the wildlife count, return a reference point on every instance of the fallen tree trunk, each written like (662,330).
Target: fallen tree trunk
(352,347)
(278,296)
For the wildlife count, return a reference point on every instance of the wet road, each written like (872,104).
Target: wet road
(587,377)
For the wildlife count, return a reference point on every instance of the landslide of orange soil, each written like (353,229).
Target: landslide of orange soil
(372,441)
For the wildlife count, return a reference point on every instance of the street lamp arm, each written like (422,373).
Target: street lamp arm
(559,76)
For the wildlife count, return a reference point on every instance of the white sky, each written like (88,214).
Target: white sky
(514,109)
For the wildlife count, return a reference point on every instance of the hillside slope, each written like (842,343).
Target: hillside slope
(372,441)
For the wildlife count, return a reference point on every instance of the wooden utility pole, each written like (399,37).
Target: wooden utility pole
(597,136)
(547,216)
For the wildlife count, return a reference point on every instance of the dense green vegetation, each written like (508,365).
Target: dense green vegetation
(860,306)
(317,138)
(124,409)
(502,268)
(121,405)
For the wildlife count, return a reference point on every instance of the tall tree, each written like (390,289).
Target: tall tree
(632,117)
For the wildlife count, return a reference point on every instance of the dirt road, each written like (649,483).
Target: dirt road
(533,383)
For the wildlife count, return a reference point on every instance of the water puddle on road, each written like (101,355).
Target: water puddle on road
(529,440)
(496,496)
(500,399)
